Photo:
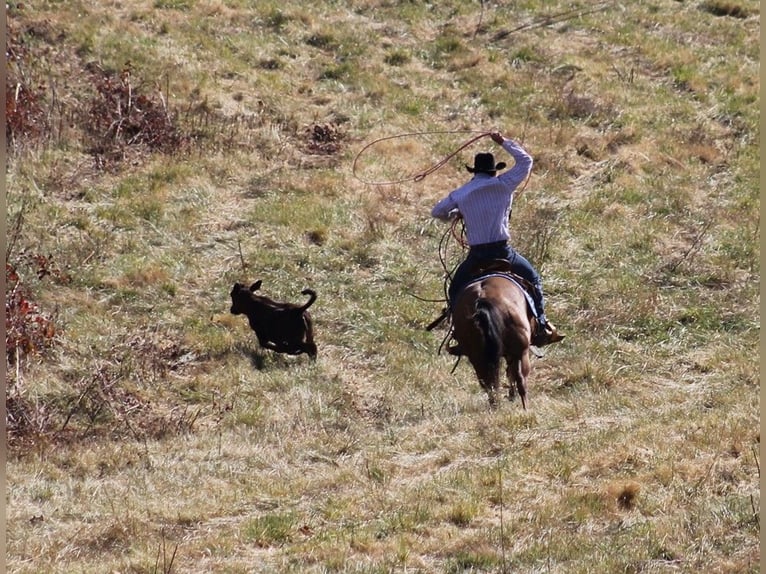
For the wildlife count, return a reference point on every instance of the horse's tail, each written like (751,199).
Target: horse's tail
(486,319)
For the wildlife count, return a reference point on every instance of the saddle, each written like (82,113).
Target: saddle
(484,269)
(502,267)
(498,267)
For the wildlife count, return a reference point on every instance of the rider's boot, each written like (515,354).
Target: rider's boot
(546,333)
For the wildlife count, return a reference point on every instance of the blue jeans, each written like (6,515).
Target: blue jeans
(500,250)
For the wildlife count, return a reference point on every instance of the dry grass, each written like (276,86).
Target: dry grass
(153,436)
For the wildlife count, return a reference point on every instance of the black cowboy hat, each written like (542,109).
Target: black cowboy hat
(485,163)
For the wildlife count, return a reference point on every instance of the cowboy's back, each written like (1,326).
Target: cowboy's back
(485,201)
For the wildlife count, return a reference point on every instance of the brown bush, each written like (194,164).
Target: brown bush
(28,330)
(121,115)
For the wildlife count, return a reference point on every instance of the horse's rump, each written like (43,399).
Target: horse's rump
(491,320)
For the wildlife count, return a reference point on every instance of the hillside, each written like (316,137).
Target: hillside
(161,150)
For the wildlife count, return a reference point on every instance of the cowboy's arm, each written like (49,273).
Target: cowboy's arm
(445,210)
(522,161)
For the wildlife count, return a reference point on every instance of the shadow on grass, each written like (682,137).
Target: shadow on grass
(263,359)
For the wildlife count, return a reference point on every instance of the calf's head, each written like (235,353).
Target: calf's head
(241,297)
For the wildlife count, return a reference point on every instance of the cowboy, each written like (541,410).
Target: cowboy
(484,203)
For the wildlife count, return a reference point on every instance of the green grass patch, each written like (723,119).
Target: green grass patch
(152,418)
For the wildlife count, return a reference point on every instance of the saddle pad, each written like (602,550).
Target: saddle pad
(530,302)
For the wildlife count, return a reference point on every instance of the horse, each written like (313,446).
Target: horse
(491,322)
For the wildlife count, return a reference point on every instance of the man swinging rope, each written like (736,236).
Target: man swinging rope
(485,203)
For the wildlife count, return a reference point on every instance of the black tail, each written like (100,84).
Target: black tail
(312,297)
(485,318)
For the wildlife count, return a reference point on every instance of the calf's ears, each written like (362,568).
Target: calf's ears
(257,285)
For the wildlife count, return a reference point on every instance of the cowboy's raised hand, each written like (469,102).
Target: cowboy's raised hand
(497,137)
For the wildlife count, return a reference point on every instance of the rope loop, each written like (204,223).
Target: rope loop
(418,177)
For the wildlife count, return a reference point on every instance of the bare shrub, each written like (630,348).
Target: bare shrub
(28,329)
(324,139)
(25,118)
(722,8)
(121,115)
(107,401)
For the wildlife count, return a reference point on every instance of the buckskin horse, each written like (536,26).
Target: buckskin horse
(492,321)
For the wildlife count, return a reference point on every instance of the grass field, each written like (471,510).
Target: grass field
(160,150)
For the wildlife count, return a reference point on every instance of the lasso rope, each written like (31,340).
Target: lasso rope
(422,175)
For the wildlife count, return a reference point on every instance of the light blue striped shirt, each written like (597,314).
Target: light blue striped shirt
(485,201)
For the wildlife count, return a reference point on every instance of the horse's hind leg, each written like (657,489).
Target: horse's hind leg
(517,372)
(510,369)
(489,378)
(492,387)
